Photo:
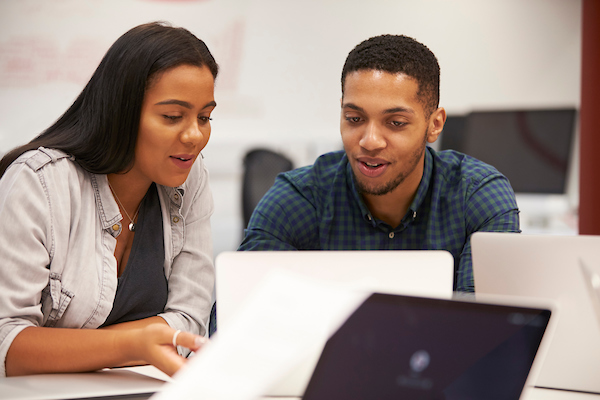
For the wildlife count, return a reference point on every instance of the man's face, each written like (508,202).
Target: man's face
(384,130)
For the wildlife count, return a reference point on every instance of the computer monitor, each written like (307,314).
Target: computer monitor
(532,148)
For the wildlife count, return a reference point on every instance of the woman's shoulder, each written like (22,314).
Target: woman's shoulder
(54,170)
(42,157)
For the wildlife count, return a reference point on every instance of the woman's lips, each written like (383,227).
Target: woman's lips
(183,161)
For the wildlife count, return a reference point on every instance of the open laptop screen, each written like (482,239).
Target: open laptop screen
(411,347)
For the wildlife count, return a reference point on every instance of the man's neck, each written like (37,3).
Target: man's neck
(390,207)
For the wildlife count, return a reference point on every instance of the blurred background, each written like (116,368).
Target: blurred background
(509,68)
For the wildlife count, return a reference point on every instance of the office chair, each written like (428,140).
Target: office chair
(261,167)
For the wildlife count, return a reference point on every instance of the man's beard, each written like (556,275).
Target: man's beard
(401,177)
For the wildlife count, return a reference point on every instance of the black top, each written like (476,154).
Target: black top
(142,290)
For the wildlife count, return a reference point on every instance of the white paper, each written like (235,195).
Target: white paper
(287,317)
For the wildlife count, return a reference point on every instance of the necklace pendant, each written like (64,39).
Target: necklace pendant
(131,227)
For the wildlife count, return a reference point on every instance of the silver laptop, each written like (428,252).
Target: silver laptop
(419,273)
(547,266)
(591,276)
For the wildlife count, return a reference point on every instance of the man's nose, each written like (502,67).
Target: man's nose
(372,138)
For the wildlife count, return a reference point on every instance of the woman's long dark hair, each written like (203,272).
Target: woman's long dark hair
(100,129)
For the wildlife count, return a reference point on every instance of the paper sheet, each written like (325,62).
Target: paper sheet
(287,317)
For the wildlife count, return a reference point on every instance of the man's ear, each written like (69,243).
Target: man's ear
(436,124)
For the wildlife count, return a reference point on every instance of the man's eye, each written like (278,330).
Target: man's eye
(353,119)
(398,123)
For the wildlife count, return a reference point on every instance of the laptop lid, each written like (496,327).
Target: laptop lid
(402,347)
(548,266)
(592,283)
(425,273)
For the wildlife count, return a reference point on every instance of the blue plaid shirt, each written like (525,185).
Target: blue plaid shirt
(319,208)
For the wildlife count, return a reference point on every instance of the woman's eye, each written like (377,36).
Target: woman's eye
(204,119)
(171,118)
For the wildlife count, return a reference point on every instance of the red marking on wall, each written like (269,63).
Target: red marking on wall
(34,60)
(177,1)
(227,49)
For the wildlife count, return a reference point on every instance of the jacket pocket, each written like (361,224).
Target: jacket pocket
(56,298)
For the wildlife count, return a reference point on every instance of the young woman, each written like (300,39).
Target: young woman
(104,217)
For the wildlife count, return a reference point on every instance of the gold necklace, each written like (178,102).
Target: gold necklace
(131,225)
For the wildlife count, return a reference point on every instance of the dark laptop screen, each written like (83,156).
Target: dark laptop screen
(395,347)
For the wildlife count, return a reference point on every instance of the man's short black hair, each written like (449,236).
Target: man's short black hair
(399,54)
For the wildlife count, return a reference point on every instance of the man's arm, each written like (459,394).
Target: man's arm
(284,219)
(492,207)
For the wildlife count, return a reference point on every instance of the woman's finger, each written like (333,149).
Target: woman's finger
(188,340)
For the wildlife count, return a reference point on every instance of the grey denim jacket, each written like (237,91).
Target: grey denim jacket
(58,229)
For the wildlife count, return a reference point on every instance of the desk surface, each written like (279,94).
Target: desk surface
(142,382)
(134,382)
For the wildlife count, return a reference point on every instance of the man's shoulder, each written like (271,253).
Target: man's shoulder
(320,174)
(454,166)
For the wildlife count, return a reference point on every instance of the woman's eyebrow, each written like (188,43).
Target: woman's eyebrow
(184,103)
(174,101)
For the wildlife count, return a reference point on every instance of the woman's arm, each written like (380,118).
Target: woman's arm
(37,350)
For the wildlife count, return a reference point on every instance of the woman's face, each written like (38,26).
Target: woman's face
(174,125)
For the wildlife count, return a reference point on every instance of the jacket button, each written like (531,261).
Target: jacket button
(176,196)
(115,227)
(391,235)
(175,219)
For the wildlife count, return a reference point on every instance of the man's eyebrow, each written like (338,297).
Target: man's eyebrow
(184,103)
(399,109)
(352,106)
(388,111)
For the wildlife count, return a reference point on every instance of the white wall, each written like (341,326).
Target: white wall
(281,61)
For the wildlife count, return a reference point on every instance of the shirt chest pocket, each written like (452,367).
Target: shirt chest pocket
(55,300)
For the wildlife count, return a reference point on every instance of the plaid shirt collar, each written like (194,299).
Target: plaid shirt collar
(411,214)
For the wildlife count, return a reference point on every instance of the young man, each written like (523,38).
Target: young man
(387,189)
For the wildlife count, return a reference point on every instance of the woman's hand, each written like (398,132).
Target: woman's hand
(38,350)
(153,345)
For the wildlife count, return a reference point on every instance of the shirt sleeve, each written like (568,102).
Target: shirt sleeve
(25,251)
(284,219)
(490,207)
(192,275)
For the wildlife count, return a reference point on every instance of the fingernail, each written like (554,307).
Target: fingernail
(200,340)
